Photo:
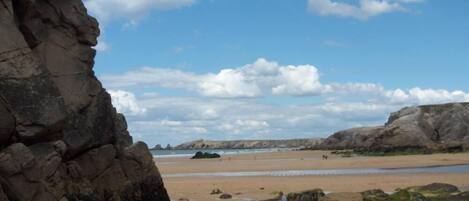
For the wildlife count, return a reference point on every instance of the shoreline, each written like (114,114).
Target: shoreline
(302,160)
(440,169)
(249,187)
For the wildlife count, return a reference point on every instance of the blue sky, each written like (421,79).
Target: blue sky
(228,69)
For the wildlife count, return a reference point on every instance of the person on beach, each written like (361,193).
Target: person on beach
(283,197)
(325,157)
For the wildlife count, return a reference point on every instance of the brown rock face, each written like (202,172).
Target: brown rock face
(60,137)
(432,127)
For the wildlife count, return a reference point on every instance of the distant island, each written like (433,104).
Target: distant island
(159,147)
(249,144)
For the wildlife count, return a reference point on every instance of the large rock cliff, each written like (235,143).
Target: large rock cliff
(249,144)
(430,127)
(60,137)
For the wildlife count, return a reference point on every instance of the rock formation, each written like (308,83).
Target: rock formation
(431,192)
(157,147)
(248,144)
(430,127)
(205,155)
(60,137)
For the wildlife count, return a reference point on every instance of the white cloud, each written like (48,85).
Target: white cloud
(426,96)
(164,77)
(299,81)
(125,102)
(131,10)
(251,80)
(246,125)
(365,10)
(228,83)
(268,77)
(102,46)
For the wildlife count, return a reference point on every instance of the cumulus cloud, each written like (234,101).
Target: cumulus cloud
(131,10)
(264,77)
(299,80)
(125,102)
(365,10)
(228,83)
(426,96)
(251,80)
(247,125)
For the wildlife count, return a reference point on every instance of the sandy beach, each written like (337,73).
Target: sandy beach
(257,188)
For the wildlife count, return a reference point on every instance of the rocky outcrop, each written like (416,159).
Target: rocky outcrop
(60,137)
(431,192)
(248,144)
(157,147)
(205,155)
(430,127)
(311,195)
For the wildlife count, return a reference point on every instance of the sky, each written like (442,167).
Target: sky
(183,70)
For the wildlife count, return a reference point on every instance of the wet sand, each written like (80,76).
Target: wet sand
(199,188)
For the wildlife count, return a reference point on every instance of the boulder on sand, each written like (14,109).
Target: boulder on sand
(310,195)
(205,155)
(225,196)
(375,195)
(216,191)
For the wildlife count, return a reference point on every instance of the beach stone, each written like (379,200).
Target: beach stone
(438,188)
(405,195)
(436,191)
(310,195)
(375,195)
(216,191)
(458,197)
(342,197)
(225,196)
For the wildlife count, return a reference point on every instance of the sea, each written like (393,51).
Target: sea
(222,152)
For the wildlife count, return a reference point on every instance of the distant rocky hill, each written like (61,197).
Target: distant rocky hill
(432,127)
(60,137)
(249,144)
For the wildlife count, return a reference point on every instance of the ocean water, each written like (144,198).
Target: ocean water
(325,172)
(223,152)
